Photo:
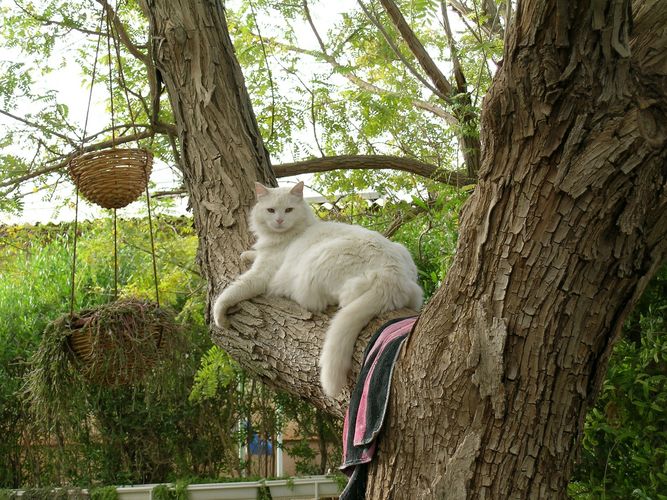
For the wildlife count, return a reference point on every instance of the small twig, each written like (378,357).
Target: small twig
(42,128)
(402,219)
(172,192)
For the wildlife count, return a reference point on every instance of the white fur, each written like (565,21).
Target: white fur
(319,264)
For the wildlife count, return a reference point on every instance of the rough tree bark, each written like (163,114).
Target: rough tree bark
(565,228)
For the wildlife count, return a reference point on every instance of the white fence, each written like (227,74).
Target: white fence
(312,487)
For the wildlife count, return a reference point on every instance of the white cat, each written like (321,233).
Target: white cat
(319,264)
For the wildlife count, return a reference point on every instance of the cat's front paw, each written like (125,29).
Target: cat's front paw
(333,375)
(220,313)
(248,257)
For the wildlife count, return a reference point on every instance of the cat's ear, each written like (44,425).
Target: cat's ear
(261,189)
(297,190)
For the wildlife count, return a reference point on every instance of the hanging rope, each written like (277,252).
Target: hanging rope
(115,257)
(83,140)
(121,77)
(112,35)
(76,232)
(92,80)
(133,121)
(150,227)
(113,117)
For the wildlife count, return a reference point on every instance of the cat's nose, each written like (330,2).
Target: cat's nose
(280,221)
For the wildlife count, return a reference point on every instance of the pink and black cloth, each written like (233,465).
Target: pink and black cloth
(368,404)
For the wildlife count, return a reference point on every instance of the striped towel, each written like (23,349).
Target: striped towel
(368,403)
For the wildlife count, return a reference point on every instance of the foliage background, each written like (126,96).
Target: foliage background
(181,426)
(309,102)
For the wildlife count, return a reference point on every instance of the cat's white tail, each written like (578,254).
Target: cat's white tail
(336,357)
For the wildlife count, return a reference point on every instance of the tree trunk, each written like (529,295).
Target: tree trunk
(221,148)
(565,228)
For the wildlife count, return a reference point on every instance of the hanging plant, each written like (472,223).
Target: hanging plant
(121,343)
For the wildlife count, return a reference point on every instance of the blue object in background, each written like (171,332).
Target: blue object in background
(260,446)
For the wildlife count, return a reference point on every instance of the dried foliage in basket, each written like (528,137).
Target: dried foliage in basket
(112,178)
(117,343)
(123,342)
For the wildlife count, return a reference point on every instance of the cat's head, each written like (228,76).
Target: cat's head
(280,210)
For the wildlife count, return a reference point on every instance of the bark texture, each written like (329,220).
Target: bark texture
(566,226)
(221,148)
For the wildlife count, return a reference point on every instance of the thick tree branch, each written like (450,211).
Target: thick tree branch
(284,353)
(123,35)
(360,82)
(459,76)
(373,162)
(426,62)
(397,51)
(360,162)
(462,109)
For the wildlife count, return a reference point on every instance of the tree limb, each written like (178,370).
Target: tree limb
(411,68)
(359,162)
(285,351)
(170,192)
(491,24)
(123,35)
(401,219)
(373,162)
(374,89)
(461,83)
(462,109)
(361,83)
(426,62)
(43,128)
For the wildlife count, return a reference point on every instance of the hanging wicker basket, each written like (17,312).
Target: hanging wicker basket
(119,343)
(112,178)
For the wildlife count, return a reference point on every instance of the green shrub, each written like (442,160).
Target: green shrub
(624,448)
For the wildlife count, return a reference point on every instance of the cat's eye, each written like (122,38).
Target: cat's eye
(288,210)
(271,210)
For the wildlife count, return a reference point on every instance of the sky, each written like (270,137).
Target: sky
(70,85)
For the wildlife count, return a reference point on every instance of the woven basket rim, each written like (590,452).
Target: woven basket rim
(112,177)
(101,153)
